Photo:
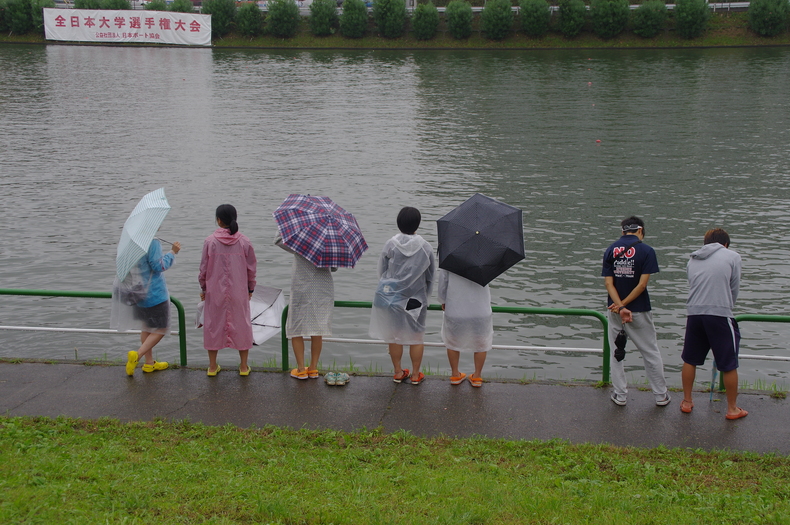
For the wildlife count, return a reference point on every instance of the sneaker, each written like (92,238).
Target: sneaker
(664,401)
(331,378)
(620,400)
(158,365)
(341,379)
(131,362)
(299,374)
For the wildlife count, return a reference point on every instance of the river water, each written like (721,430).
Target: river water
(689,140)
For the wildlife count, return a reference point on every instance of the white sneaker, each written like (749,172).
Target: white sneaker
(664,401)
(620,400)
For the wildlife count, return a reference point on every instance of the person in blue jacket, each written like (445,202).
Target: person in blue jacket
(153,311)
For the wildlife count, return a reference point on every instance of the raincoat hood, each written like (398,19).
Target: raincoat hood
(223,235)
(707,250)
(408,245)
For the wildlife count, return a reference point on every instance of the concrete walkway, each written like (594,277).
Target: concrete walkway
(577,413)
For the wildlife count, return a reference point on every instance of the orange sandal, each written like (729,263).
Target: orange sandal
(457,380)
(398,378)
(476,381)
(417,380)
(312,373)
(299,374)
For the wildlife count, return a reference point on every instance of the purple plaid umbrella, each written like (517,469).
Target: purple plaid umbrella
(320,231)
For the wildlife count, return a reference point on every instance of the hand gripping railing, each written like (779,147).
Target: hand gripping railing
(496,309)
(182,333)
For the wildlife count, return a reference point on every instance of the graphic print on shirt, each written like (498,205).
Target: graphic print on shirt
(624,264)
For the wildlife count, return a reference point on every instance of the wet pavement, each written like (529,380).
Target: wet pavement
(577,413)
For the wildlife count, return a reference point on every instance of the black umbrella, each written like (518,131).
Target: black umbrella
(480,239)
(619,345)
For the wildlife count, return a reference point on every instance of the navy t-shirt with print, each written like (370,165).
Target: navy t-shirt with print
(640,259)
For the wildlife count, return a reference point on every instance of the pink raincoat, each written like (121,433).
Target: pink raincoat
(227,276)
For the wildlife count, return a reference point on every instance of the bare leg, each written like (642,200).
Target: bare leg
(687,375)
(148,341)
(415,353)
(480,360)
(396,353)
(454,357)
(731,384)
(212,360)
(316,344)
(243,358)
(298,346)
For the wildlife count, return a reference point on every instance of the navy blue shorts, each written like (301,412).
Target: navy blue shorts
(711,332)
(155,317)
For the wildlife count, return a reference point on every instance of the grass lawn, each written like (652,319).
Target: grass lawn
(60,471)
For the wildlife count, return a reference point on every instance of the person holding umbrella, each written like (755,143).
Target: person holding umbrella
(323,237)
(227,281)
(478,241)
(400,306)
(140,297)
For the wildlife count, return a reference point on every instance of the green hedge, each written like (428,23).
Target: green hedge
(572,17)
(37,13)
(496,20)
(649,18)
(390,17)
(535,17)
(458,16)
(425,21)
(116,5)
(691,17)
(87,4)
(283,18)
(609,17)
(354,20)
(19,15)
(323,19)
(223,14)
(182,6)
(768,17)
(156,5)
(249,20)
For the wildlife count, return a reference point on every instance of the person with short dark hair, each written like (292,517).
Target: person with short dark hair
(714,274)
(627,265)
(406,273)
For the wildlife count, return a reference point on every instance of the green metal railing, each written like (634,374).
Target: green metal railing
(182,333)
(496,309)
(763,318)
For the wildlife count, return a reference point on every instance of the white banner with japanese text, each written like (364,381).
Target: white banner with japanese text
(161,27)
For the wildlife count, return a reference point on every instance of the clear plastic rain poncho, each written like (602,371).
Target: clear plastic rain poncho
(141,301)
(468,324)
(406,273)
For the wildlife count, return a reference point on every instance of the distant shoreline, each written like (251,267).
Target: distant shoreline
(725,30)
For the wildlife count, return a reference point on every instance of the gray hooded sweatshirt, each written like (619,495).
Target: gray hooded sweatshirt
(714,274)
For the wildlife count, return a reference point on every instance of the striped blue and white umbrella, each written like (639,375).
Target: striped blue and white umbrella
(139,230)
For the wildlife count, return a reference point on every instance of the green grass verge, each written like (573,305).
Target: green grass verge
(725,29)
(79,471)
